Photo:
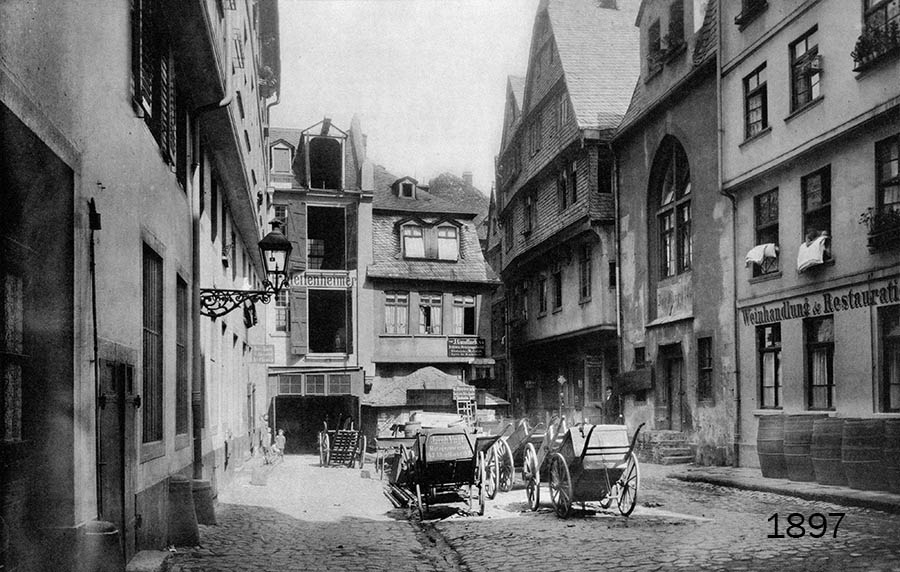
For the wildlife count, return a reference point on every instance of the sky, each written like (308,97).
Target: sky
(426,77)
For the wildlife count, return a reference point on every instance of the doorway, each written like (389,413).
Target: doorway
(669,408)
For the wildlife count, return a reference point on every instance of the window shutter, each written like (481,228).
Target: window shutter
(431,249)
(146,31)
(298,320)
(348,322)
(297,236)
(172,118)
(165,107)
(351,218)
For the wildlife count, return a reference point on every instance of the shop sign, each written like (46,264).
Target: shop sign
(465,347)
(339,280)
(262,354)
(822,304)
(464,393)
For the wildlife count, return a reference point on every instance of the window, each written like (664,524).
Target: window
(430,313)
(816,190)
(640,358)
(498,324)
(765,215)
(805,72)
(213,206)
(890,360)
(326,162)
(315,252)
(281,159)
(584,272)
(675,37)
(329,321)
(756,115)
(534,135)
(563,111)
(674,213)
(152,408)
(508,232)
(557,289)
(448,243)
(529,213)
(153,73)
(13,353)
(407,190)
(654,43)
(338,384)
(820,362)
(704,369)
(768,346)
(464,314)
(181,358)
(882,15)
(281,214)
(604,177)
(315,384)
(573,182)
(542,295)
(562,189)
(396,311)
(282,319)
(887,162)
(750,9)
(290,384)
(612,275)
(240,103)
(413,242)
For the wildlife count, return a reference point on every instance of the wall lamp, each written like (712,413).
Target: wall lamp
(275,250)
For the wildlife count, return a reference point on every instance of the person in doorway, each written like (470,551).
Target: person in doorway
(612,412)
(279,443)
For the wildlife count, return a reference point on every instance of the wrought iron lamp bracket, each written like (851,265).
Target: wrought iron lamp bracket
(215,303)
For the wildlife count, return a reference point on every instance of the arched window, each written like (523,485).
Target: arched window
(671,189)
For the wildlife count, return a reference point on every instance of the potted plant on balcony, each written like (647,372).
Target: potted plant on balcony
(883,226)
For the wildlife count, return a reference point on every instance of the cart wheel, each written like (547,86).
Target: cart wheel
(361,457)
(507,469)
(324,450)
(532,477)
(422,507)
(482,482)
(628,486)
(491,473)
(560,486)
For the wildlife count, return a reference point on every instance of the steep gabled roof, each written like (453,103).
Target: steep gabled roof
(287,134)
(599,51)
(385,199)
(517,88)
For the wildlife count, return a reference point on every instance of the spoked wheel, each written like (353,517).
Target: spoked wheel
(361,452)
(422,507)
(560,486)
(491,473)
(532,476)
(628,486)
(324,449)
(506,470)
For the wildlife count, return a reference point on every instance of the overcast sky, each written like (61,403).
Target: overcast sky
(426,77)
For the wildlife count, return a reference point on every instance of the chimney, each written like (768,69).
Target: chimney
(467,178)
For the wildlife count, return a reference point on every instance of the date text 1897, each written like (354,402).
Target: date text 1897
(798,525)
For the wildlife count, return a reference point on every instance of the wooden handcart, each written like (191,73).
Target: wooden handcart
(441,463)
(589,463)
(341,447)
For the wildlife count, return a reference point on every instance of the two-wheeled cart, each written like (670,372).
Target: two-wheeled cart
(341,447)
(443,463)
(590,463)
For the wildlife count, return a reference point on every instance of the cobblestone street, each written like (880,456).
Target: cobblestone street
(312,518)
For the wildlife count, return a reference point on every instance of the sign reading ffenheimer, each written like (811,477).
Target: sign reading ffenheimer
(465,347)
(338,279)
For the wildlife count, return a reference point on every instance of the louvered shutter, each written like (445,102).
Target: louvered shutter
(299,338)
(163,96)
(297,235)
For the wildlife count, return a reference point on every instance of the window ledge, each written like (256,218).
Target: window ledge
(389,335)
(744,19)
(429,336)
(759,135)
(152,450)
(808,105)
(542,314)
(584,300)
(557,310)
(768,411)
(814,269)
(765,277)
(280,334)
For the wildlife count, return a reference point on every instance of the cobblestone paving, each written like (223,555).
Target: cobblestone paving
(310,518)
(676,526)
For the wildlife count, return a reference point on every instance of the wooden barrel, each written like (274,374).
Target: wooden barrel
(892,454)
(862,454)
(770,446)
(797,440)
(825,451)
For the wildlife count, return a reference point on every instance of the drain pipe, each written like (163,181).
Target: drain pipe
(196,361)
(99,401)
(736,445)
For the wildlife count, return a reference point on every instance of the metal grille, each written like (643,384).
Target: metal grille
(152,422)
(181,360)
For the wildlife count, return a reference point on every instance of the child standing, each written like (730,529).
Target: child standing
(279,443)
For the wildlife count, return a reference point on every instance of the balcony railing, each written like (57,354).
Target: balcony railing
(884,228)
(876,45)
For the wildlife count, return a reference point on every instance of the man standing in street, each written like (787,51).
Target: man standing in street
(612,412)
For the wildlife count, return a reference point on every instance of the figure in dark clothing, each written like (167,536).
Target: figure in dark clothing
(612,412)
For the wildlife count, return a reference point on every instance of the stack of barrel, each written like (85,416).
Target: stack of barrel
(861,453)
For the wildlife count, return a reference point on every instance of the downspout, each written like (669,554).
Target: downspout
(196,356)
(99,400)
(736,446)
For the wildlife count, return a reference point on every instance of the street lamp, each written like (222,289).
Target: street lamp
(275,250)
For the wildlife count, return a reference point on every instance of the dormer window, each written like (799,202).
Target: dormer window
(281,158)
(413,242)
(448,243)
(407,190)
(322,156)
